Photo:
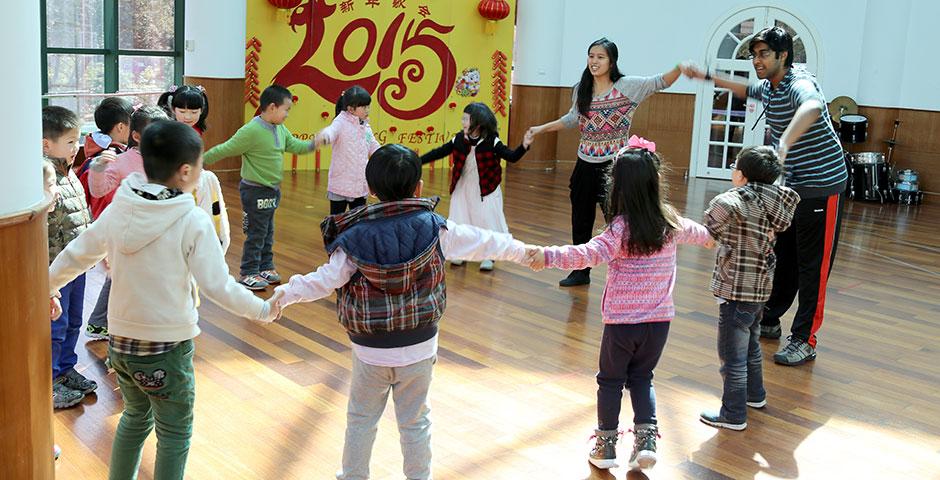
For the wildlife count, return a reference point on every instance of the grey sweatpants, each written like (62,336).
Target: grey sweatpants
(368,394)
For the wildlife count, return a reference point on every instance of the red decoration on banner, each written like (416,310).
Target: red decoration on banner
(285,4)
(252,93)
(419,36)
(500,81)
(493,10)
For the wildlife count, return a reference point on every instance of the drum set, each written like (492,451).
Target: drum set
(872,176)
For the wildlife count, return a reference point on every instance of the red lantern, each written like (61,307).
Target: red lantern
(493,11)
(285,4)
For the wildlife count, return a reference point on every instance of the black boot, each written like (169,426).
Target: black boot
(576,277)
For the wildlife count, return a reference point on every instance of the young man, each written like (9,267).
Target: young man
(261,143)
(807,145)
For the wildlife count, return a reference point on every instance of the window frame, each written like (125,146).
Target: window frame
(111,51)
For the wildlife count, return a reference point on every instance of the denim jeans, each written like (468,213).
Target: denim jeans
(258,203)
(99,316)
(629,353)
(158,390)
(65,329)
(739,352)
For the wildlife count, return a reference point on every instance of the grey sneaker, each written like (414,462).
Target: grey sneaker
(64,397)
(96,332)
(770,331)
(456,263)
(604,453)
(486,266)
(254,282)
(796,352)
(644,446)
(77,381)
(270,276)
(758,404)
(715,419)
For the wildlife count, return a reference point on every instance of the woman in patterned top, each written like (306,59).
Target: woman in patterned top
(603,103)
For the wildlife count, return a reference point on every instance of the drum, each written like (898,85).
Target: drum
(907,176)
(870,182)
(853,128)
(868,158)
(905,197)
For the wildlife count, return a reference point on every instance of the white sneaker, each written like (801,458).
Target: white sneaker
(456,263)
(486,266)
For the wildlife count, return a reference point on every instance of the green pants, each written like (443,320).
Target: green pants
(158,390)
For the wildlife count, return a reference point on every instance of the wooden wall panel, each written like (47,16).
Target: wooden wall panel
(26,379)
(226,114)
(533,106)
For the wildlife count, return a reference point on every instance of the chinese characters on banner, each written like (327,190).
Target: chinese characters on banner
(420,60)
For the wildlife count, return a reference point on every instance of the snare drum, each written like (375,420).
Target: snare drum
(853,128)
(907,176)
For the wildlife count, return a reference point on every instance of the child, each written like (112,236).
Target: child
(745,221)
(353,143)
(113,118)
(50,188)
(261,142)
(161,246)
(639,245)
(188,104)
(476,198)
(386,260)
(104,175)
(67,220)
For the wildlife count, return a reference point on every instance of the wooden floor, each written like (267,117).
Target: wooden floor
(514,394)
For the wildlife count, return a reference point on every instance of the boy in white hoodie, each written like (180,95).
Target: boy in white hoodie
(160,245)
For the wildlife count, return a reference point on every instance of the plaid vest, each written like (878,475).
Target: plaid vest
(397,295)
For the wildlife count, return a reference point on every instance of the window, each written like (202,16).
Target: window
(92,48)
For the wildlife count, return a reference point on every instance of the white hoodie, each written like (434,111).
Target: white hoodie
(158,250)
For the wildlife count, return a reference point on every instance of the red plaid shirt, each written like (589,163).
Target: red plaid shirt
(489,151)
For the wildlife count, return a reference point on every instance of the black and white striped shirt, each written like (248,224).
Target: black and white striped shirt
(815,163)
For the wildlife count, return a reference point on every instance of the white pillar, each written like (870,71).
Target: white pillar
(21,128)
(539,40)
(215,39)
(884,47)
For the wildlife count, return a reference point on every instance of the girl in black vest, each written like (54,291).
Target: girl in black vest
(476,198)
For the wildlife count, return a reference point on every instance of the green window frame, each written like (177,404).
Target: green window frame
(111,52)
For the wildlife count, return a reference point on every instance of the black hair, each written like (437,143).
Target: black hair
(112,111)
(275,94)
(189,97)
(586,86)
(777,39)
(759,164)
(141,118)
(167,145)
(354,96)
(637,194)
(481,117)
(56,121)
(393,172)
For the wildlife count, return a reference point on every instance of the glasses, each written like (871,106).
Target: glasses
(763,55)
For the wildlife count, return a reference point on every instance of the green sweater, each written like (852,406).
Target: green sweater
(261,146)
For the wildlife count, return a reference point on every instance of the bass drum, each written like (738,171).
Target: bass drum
(870,182)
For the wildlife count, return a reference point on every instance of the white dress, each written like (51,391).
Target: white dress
(466,206)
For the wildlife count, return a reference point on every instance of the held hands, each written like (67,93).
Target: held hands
(274,307)
(691,70)
(528,138)
(534,257)
(55,308)
(533,131)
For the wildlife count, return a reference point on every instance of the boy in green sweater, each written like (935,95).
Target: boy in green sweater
(261,143)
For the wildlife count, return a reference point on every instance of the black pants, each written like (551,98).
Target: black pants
(588,187)
(805,253)
(339,206)
(629,353)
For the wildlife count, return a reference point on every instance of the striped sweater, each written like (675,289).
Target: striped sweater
(638,289)
(815,163)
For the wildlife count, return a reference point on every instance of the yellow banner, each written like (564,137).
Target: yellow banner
(422,62)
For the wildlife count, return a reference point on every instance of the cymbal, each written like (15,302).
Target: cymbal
(842,106)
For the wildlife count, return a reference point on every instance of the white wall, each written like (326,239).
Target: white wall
(873,51)
(21,127)
(215,39)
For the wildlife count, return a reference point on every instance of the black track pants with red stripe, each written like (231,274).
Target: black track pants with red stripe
(805,253)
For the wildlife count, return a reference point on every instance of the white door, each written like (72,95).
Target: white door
(724,124)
